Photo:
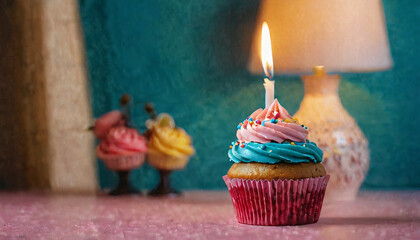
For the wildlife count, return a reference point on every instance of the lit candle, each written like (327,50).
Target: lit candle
(267,62)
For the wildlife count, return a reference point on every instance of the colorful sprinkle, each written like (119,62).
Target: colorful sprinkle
(274,120)
(292,143)
(263,147)
(238,127)
(258,122)
(301,125)
(296,119)
(271,150)
(306,127)
(230,147)
(263,123)
(236,144)
(242,145)
(304,145)
(251,120)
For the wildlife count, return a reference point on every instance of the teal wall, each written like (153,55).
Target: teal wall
(189,58)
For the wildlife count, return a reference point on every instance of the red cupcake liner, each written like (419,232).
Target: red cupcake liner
(277,202)
(124,162)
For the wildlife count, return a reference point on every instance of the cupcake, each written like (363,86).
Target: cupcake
(170,147)
(277,177)
(120,147)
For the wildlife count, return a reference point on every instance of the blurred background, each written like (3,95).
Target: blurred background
(189,58)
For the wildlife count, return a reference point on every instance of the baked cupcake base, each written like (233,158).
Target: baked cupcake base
(124,162)
(166,162)
(277,202)
(265,171)
(121,163)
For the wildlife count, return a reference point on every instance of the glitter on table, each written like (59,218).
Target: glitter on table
(198,215)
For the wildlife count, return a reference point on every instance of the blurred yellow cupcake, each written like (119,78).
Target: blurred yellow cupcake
(170,147)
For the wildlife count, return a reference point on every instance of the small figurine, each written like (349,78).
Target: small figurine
(121,147)
(170,148)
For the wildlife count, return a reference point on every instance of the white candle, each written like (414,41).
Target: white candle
(267,62)
(269,92)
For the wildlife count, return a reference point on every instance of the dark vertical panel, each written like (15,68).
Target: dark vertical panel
(32,94)
(23,132)
(12,149)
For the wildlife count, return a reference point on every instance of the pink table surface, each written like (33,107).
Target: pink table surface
(198,215)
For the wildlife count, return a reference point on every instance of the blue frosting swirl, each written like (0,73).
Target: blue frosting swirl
(274,152)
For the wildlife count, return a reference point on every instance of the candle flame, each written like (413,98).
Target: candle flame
(266,53)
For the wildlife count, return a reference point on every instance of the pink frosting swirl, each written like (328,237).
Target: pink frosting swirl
(271,124)
(121,141)
(106,122)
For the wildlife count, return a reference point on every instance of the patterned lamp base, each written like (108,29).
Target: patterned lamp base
(346,151)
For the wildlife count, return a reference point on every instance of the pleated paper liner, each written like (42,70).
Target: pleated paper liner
(277,202)
(117,163)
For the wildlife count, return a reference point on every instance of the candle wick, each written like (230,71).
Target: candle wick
(126,111)
(269,72)
(150,109)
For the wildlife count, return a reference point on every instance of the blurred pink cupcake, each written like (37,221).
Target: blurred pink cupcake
(120,147)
